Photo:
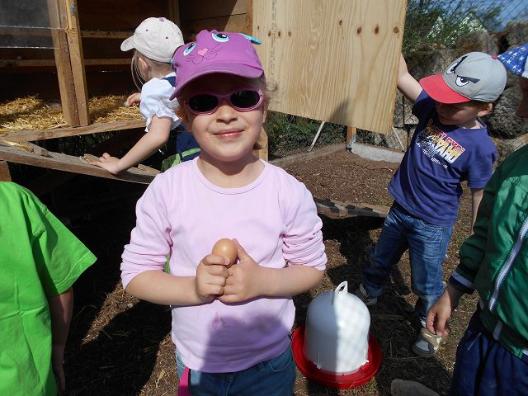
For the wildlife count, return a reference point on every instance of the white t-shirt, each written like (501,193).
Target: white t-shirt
(155,101)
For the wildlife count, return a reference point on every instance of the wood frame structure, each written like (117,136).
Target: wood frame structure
(68,58)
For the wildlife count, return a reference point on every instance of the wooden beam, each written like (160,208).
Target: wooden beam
(46,32)
(262,144)
(77,60)
(350,134)
(106,34)
(29,135)
(68,163)
(62,63)
(174,12)
(341,210)
(51,63)
(5,175)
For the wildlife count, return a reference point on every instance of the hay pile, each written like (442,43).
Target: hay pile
(34,113)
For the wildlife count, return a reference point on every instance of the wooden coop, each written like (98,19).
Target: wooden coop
(329,60)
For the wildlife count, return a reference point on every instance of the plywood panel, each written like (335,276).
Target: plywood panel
(333,60)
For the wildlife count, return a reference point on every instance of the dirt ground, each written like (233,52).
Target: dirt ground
(119,345)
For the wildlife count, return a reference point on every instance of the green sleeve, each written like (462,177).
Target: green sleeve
(473,249)
(61,258)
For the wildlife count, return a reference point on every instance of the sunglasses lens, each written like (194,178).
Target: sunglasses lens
(245,99)
(203,103)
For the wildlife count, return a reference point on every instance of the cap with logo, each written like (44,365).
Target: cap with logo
(156,37)
(473,76)
(216,52)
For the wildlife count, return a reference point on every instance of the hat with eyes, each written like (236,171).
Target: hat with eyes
(216,52)
(473,76)
(515,60)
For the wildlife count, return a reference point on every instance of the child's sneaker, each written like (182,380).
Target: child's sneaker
(363,295)
(427,343)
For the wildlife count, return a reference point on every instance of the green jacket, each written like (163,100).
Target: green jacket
(494,260)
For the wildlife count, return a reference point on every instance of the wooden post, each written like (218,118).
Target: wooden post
(62,63)
(5,175)
(76,59)
(350,135)
(174,12)
(261,147)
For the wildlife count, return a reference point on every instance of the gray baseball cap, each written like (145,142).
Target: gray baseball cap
(156,37)
(473,76)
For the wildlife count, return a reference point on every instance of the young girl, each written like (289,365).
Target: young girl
(231,325)
(154,42)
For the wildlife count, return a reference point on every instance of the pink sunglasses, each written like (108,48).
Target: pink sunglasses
(246,99)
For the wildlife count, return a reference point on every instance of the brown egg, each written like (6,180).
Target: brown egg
(225,248)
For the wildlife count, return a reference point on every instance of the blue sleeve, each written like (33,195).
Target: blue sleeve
(423,106)
(481,166)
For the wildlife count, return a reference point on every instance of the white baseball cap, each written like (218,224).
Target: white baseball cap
(156,37)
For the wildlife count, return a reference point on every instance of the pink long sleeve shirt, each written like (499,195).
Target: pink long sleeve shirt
(182,215)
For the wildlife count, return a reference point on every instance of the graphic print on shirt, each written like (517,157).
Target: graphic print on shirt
(436,144)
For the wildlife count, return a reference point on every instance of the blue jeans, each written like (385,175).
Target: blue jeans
(271,377)
(484,367)
(427,244)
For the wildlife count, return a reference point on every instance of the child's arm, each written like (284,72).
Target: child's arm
(156,137)
(61,307)
(248,280)
(407,84)
(161,288)
(476,197)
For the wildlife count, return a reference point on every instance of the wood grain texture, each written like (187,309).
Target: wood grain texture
(44,134)
(333,60)
(68,163)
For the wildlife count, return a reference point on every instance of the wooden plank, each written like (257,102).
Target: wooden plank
(5,175)
(233,23)
(342,210)
(262,144)
(174,11)
(51,63)
(77,60)
(68,163)
(206,9)
(106,34)
(62,62)
(44,134)
(350,134)
(346,56)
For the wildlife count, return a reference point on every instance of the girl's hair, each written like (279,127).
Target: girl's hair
(137,77)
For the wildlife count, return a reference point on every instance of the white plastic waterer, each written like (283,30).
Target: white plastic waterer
(337,331)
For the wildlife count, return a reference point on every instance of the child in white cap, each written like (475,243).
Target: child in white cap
(231,324)
(451,144)
(154,42)
(492,356)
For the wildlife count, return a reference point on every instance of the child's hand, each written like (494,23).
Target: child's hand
(441,311)
(106,161)
(133,99)
(211,276)
(246,279)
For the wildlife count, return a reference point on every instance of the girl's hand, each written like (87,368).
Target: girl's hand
(133,99)
(246,279)
(211,276)
(111,164)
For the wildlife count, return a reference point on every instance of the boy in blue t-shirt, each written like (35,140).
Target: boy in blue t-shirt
(451,144)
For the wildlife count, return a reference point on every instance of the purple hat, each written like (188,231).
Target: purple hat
(216,52)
